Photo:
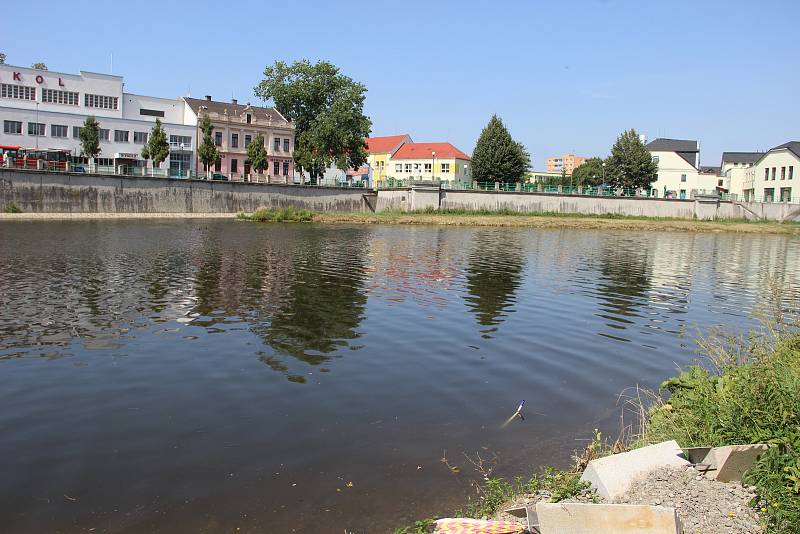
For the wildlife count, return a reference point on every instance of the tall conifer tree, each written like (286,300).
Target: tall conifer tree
(497,157)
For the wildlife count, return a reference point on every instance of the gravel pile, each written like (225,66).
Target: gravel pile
(704,506)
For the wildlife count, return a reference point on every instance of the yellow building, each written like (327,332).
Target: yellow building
(379,150)
(429,161)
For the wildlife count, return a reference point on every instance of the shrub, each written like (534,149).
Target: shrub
(11,208)
(290,214)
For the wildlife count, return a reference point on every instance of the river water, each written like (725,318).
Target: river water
(209,376)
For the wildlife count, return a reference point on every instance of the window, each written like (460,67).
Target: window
(766,174)
(247,140)
(769,194)
(121,136)
(773,172)
(100,101)
(286,168)
(20,92)
(105,134)
(416,167)
(783,173)
(105,161)
(276,168)
(234,140)
(58,130)
(234,165)
(54,96)
(683,177)
(655,160)
(428,167)
(719,183)
(286,145)
(218,165)
(445,168)
(76,132)
(180,141)
(140,137)
(277,144)
(398,167)
(791,172)
(249,118)
(36,128)
(151,112)
(180,162)
(408,167)
(12,127)
(218,138)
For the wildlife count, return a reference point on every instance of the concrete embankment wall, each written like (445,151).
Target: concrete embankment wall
(45,192)
(701,208)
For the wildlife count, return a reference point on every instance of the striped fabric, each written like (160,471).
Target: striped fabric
(476,526)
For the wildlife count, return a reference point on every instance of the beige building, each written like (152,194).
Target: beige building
(379,150)
(772,177)
(733,170)
(429,161)
(564,164)
(679,174)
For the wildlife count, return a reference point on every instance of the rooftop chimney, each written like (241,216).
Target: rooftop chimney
(233,101)
(208,97)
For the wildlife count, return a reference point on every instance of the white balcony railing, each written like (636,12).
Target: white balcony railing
(180,146)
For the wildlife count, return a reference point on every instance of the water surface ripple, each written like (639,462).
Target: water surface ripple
(204,376)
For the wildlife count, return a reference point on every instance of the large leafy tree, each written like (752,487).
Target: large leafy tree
(90,137)
(630,163)
(207,151)
(497,157)
(2,58)
(327,109)
(590,172)
(257,154)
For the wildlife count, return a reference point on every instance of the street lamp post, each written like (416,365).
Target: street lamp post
(37,125)
(433,166)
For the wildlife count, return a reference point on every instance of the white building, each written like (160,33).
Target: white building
(679,173)
(772,177)
(733,170)
(46,109)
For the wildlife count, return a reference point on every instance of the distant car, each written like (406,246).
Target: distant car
(219,176)
(78,168)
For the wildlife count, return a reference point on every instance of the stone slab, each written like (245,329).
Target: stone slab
(580,518)
(611,476)
(732,461)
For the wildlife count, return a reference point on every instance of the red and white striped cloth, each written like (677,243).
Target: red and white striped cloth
(476,526)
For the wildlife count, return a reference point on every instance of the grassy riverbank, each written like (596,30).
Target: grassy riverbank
(557,220)
(746,391)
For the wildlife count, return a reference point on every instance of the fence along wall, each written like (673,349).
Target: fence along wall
(47,192)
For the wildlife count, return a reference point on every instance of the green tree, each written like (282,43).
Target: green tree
(157,147)
(630,163)
(590,172)
(2,58)
(326,108)
(90,137)
(257,154)
(39,66)
(497,157)
(207,151)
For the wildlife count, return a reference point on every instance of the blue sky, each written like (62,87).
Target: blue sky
(564,76)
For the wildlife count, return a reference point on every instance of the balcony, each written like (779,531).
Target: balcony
(180,147)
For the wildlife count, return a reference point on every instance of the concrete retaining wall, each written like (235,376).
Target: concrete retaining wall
(701,208)
(42,192)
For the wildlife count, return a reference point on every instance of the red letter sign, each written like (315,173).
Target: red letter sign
(16,77)
(39,79)
(60,82)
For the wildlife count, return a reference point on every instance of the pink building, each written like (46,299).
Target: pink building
(235,127)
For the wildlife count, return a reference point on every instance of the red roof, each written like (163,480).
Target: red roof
(426,150)
(384,145)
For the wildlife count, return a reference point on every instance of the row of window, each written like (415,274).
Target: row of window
(56,96)
(249,139)
(783,172)
(415,167)
(60,130)
(276,167)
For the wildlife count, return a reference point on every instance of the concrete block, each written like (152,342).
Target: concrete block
(729,463)
(612,476)
(580,518)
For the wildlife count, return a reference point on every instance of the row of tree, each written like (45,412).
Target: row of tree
(630,165)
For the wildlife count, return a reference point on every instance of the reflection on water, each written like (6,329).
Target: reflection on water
(204,376)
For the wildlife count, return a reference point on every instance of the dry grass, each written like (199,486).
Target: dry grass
(551,221)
